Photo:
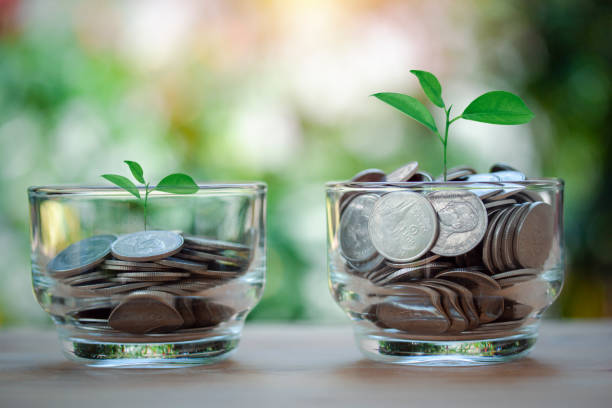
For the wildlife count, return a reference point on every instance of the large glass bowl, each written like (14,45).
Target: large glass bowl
(184,304)
(445,273)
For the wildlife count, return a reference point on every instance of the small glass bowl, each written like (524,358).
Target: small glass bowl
(445,273)
(183,309)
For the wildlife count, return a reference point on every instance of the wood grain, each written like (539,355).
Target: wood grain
(306,366)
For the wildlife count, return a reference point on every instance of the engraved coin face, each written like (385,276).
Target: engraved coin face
(147,245)
(354,237)
(81,256)
(403,226)
(463,221)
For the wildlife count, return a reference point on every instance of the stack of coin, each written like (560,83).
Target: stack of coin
(446,256)
(147,282)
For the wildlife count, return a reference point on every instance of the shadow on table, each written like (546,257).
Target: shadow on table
(506,373)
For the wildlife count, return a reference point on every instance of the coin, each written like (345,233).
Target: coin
(145,312)
(152,276)
(488,241)
(419,272)
(419,310)
(499,204)
(81,256)
(403,226)
(483,177)
(147,245)
(450,302)
(534,235)
(457,173)
(485,190)
(515,273)
(404,173)
(509,190)
(122,288)
(183,305)
(463,221)
(369,175)
(466,298)
(497,239)
(501,167)
(507,250)
(369,265)
(510,175)
(209,313)
(199,243)
(414,264)
(207,257)
(484,289)
(355,241)
(90,277)
(421,176)
(183,264)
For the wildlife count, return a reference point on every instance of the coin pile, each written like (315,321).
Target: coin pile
(447,258)
(147,282)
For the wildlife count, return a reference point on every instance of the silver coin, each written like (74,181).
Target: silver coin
(369,175)
(486,177)
(152,276)
(510,175)
(414,264)
(147,245)
(355,241)
(403,226)
(484,190)
(456,173)
(508,191)
(209,257)
(81,256)
(463,221)
(404,173)
(421,176)
(500,203)
(369,265)
(196,242)
(183,264)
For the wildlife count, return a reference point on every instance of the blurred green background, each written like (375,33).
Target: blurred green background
(277,90)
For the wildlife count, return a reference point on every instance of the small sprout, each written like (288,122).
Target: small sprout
(176,183)
(496,107)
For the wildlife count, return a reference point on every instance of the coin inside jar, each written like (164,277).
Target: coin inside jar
(147,245)
(403,226)
(463,221)
(534,235)
(354,237)
(81,256)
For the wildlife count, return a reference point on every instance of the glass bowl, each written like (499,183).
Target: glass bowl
(445,273)
(173,292)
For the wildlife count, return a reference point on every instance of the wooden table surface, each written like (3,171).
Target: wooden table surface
(315,366)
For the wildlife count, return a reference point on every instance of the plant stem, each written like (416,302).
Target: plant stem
(445,142)
(145,205)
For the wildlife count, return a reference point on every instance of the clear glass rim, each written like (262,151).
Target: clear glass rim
(54,190)
(544,183)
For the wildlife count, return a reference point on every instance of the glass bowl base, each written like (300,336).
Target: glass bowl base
(150,355)
(444,353)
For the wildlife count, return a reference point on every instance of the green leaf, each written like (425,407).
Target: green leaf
(431,86)
(410,106)
(123,182)
(498,107)
(177,183)
(136,171)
